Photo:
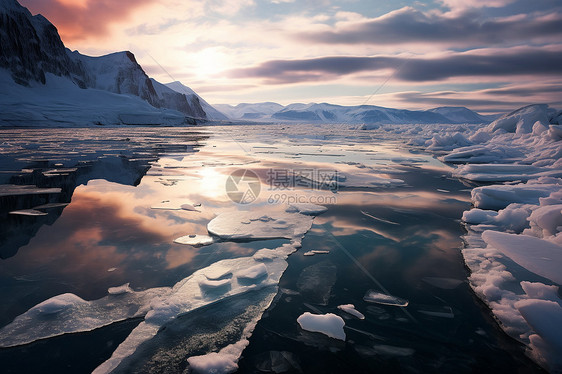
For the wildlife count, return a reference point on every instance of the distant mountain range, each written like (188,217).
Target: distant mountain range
(43,82)
(368,114)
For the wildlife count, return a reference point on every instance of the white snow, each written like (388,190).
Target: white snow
(253,273)
(62,103)
(328,324)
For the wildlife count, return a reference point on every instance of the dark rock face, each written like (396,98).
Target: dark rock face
(30,47)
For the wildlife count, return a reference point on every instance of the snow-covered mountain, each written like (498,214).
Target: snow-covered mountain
(212,113)
(244,111)
(367,114)
(45,83)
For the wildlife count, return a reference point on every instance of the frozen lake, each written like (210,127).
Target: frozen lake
(140,203)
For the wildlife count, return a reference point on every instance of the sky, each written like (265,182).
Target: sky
(489,55)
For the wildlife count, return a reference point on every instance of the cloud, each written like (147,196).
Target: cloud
(80,19)
(408,25)
(465,4)
(481,63)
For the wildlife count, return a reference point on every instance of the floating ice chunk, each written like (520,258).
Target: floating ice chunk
(536,290)
(384,299)
(69,313)
(187,296)
(257,225)
(120,290)
(546,220)
(306,208)
(218,272)
(195,240)
(213,363)
(29,212)
(513,217)
(223,362)
(350,309)
(189,207)
(328,324)
(443,283)
(316,252)
(252,274)
(316,281)
(504,172)
(534,254)
(545,317)
(500,196)
(15,190)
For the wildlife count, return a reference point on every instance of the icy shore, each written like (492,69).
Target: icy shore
(513,244)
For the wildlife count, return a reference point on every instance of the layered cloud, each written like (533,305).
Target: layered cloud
(520,61)
(461,29)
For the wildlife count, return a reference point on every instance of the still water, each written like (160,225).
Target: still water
(392,223)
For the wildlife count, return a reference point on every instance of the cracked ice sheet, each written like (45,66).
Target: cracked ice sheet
(161,307)
(188,295)
(68,313)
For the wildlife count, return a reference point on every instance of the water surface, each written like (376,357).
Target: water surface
(392,223)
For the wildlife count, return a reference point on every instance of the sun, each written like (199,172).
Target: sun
(210,61)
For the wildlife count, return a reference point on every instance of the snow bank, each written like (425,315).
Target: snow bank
(514,242)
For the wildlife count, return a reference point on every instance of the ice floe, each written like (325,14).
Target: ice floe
(517,224)
(315,282)
(249,280)
(350,309)
(260,224)
(29,212)
(68,313)
(384,299)
(328,324)
(195,240)
(534,254)
(316,252)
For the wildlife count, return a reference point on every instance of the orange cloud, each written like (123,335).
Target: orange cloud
(80,19)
